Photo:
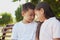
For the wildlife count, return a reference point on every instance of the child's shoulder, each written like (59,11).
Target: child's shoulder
(17,24)
(34,22)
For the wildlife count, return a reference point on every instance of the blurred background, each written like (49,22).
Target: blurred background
(10,13)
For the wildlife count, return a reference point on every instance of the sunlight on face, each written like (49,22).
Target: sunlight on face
(29,15)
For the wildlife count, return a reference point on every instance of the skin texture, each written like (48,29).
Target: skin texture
(40,15)
(56,38)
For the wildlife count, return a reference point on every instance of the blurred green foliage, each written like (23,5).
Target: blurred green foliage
(35,2)
(18,14)
(55,5)
(6,19)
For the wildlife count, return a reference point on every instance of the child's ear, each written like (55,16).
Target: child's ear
(23,13)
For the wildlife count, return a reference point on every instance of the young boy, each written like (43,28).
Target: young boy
(25,29)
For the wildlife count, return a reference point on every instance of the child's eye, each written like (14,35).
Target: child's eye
(32,15)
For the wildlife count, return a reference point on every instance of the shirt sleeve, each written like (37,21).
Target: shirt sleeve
(56,30)
(14,35)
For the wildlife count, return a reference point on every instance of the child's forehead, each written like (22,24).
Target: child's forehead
(30,10)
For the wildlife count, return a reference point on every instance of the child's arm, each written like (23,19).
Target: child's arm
(56,39)
(56,31)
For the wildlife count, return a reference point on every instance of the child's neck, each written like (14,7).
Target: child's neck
(43,19)
(25,22)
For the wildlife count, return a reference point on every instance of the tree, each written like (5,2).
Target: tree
(18,14)
(6,19)
(55,5)
(35,1)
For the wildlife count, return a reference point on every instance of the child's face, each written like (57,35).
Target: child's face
(29,15)
(39,14)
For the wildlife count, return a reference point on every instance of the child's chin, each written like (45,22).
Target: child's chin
(30,21)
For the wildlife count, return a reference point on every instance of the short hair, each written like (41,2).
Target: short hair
(47,9)
(27,6)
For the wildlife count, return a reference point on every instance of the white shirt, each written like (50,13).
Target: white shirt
(50,29)
(23,31)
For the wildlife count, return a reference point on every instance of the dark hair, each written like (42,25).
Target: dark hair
(47,9)
(27,6)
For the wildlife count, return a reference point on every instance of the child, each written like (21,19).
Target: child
(25,29)
(50,28)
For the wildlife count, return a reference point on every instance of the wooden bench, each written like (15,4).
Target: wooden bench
(7,32)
